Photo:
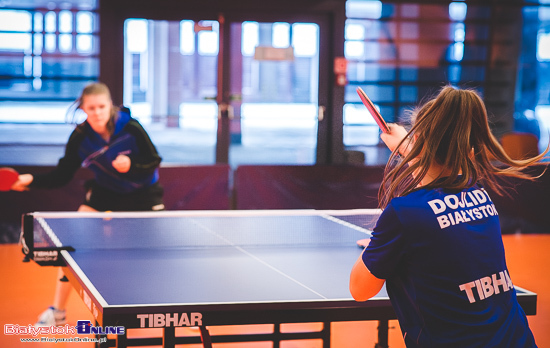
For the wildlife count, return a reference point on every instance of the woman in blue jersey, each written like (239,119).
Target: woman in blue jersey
(124,161)
(437,244)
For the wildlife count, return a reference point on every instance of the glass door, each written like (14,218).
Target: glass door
(274,92)
(217,91)
(170,85)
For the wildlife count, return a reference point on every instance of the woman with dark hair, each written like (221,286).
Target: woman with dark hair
(437,244)
(124,161)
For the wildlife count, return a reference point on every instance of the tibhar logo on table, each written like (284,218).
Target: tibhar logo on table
(45,256)
(170,319)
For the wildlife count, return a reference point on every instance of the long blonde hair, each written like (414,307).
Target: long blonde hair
(451,130)
(94,88)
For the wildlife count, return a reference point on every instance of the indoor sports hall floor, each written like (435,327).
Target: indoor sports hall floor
(26,289)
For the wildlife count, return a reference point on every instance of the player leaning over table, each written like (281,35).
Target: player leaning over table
(124,161)
(437,243)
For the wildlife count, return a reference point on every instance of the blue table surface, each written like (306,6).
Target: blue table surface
(197,260)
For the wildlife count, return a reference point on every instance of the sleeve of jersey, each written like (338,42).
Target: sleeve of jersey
(148,158)
(387,245)
(66,167)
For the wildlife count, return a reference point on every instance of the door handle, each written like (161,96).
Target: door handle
(224,107)
(321,113)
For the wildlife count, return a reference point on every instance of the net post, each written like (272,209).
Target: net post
(27,235)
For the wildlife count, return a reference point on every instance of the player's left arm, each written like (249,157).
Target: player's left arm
(147,159)
(381,258)
(362,283)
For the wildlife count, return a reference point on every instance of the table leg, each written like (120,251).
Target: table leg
(169,337)
(276,335)
(205,336)
(120,342)
(383,327)
(326,332)
(102,341)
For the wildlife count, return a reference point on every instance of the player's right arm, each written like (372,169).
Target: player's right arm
(65,169)
(394,137)
(22,183)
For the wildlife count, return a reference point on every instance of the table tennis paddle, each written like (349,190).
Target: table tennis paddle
(373,111)
(8,176)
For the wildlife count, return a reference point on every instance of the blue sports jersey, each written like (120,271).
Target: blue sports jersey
(97,155)
(442,256)
(88,149)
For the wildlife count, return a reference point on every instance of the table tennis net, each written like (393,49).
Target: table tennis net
(216,230)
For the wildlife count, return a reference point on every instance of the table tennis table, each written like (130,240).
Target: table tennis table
(207,268)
